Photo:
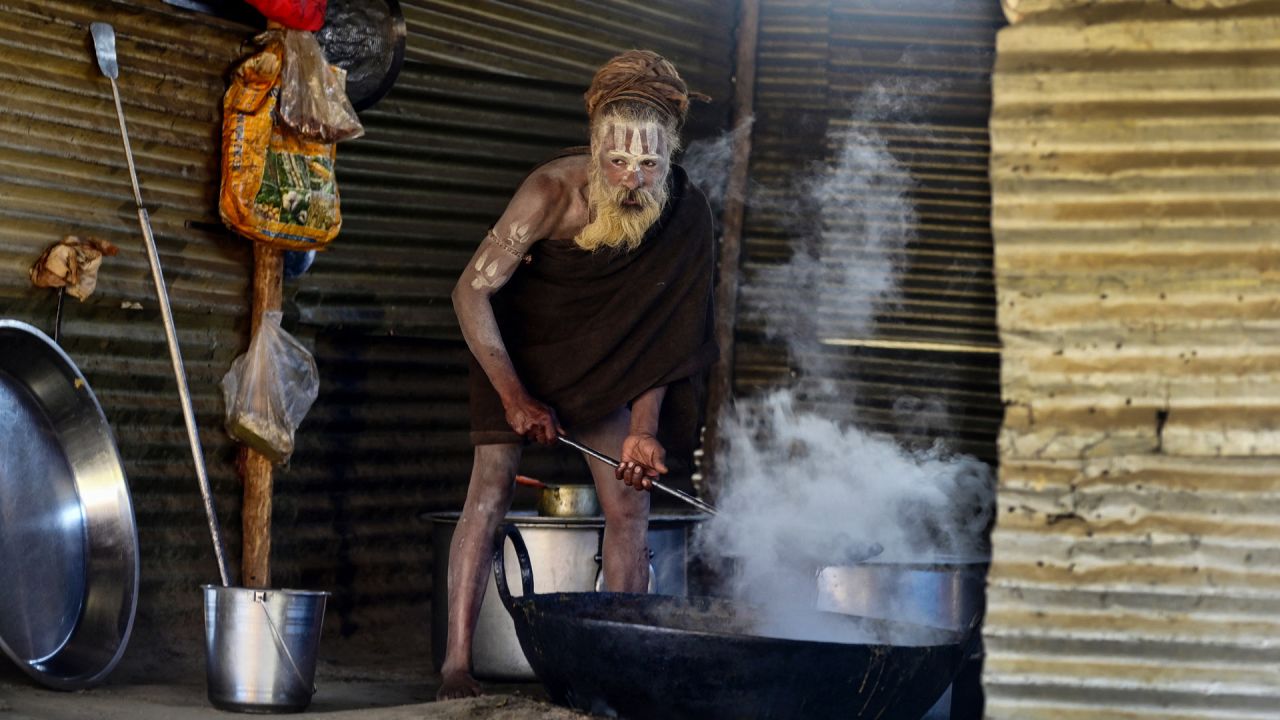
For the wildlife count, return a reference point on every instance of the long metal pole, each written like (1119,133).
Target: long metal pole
(175,355)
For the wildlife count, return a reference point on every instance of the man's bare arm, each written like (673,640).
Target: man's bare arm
(533,212)
(643,457)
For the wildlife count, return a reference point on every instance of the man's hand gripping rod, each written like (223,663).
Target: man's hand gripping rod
(701,505)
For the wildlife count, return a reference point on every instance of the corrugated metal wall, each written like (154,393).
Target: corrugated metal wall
(482,97)
(928,64)
(1017,10)
(1136,155)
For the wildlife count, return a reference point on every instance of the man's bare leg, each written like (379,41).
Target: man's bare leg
(626,511)
(471,558)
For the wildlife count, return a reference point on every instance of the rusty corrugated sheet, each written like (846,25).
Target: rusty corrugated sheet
(1134,167)
(816,60)
(1018,10)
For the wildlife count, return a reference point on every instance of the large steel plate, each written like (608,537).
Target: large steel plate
(68,539)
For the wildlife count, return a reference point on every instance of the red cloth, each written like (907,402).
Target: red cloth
(294,14)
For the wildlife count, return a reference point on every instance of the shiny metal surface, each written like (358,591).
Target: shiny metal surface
(68,539)
(104,46)
(564,553)
(945,596)
(260,647)
(569,501)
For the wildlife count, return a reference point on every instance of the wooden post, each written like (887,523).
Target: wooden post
(255,469)
(720,386)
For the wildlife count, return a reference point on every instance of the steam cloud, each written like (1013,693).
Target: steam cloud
(800,491)
(708,163)
(803,492)
(845,268)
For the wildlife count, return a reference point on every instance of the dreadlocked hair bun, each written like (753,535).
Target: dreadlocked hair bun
(640,76)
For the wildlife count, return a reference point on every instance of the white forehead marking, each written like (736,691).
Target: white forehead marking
(636,139)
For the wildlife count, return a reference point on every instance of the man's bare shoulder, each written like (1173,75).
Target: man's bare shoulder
(558,178)
(559,190)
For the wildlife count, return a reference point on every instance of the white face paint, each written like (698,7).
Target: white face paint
(627,182)
(635,143)
(634,154)
(644,140)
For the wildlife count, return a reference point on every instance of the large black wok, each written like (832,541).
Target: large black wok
(650,656)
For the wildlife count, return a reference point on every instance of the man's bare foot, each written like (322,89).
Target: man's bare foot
(458,684)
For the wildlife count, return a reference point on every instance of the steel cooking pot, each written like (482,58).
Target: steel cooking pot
(935,594)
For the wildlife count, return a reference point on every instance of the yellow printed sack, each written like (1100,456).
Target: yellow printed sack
(277,187)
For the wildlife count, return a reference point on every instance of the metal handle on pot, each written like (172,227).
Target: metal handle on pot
(500,564)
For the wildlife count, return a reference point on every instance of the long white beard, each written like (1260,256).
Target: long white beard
(614,225)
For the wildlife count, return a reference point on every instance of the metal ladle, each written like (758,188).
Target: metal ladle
(104,45)
(700,504)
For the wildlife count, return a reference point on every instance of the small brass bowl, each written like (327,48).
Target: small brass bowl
(569,501)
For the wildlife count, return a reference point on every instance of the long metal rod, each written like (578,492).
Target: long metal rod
(704,507)
(175,354)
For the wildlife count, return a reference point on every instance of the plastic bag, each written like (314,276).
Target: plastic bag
(277,187)
(296,14)
(269,390)
(313,93)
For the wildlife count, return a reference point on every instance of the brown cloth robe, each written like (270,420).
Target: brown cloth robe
(590,332)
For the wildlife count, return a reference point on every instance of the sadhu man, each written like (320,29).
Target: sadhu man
(587,309)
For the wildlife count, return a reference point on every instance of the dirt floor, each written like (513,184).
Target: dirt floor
(352,683)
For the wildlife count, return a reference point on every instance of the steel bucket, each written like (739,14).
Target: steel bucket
(260,647)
